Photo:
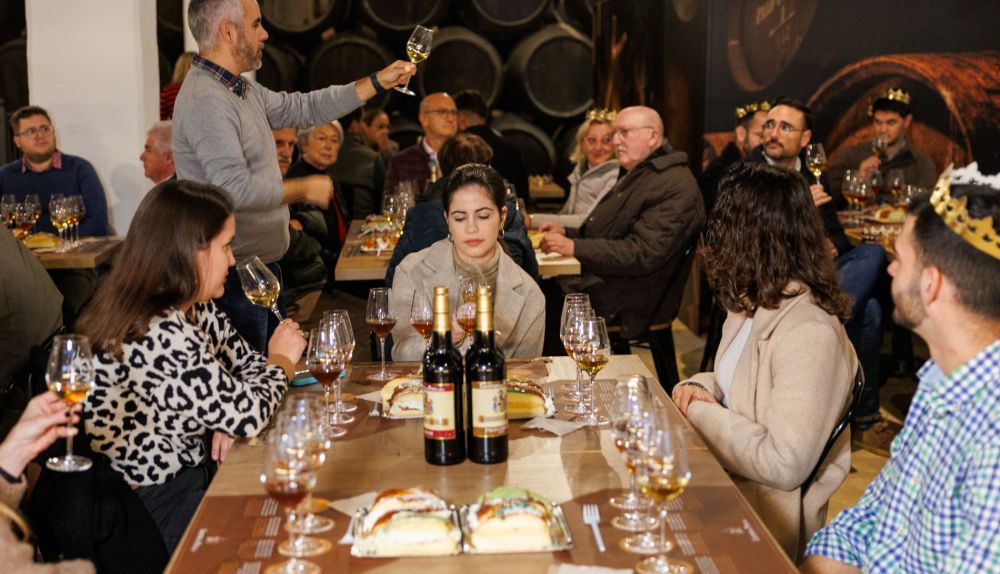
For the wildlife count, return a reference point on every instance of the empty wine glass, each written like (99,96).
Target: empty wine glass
(631,402)
(260,286)
(343,322)
(421,316)
(69,374)
(287,477)
(663,473)
(569,300)
(592,353)
(381,320)
(418,47)
(8,203)
(815,159)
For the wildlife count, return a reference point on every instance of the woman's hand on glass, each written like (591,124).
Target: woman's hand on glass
(684,395)
(288,341)
(41,423)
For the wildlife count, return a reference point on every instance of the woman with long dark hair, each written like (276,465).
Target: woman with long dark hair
(170,368)
(783,375)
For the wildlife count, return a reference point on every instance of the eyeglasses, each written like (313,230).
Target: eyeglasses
(443,112)
(30,132)
(623,132)
(786,128)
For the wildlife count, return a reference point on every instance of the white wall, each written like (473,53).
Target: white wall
(94,66)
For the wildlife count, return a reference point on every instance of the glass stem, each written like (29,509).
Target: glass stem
(336,394)
(663,530)
(381,342)
(326,400)
(593,401)
(633,487)
(579,383)
(293,536)
(69,440)
(277,313)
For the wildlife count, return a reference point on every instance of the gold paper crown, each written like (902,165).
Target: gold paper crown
(977,232)
(752,108)
(894,95)
(601,115)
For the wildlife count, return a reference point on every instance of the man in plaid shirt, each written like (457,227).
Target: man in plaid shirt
(935,507)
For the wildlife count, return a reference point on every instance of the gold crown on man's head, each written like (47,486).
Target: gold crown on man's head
(601,115)
(752,108)
(894,95)
(979,233)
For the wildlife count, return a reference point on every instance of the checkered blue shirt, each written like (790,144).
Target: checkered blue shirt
(935,507)
(235,83)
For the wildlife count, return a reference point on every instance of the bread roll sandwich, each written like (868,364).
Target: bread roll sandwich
(510,519)
(403,397)
(409,522)
(526,399)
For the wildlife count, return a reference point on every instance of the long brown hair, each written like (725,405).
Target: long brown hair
(157,268)
(763,234)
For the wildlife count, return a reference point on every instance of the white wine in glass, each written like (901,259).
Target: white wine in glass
(815,159)
(260,286)
(70,376)
(418,47)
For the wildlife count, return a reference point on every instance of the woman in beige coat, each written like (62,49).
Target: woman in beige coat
(784,371)
(474,209)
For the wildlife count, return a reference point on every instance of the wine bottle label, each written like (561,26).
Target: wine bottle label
(489,409)
(439,411)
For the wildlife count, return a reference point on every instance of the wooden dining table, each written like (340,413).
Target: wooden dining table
(90,253)
(357,265)
(714,530)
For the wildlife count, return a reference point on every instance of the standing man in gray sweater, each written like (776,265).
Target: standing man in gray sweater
(222,135)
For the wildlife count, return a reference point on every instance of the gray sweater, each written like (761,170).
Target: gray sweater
(222,139)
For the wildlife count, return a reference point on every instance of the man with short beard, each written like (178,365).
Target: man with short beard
(935,506)
(46,171)
(222,136)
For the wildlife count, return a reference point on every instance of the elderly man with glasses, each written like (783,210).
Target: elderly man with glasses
(419,163)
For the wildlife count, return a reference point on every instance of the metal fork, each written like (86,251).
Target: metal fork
(348,537)
(592,516)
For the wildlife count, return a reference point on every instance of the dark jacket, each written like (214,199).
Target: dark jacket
(361,173)
(917,167)
(710,178)
(506,158)
(411,163)
(630,246)
(827,212)
(425,225)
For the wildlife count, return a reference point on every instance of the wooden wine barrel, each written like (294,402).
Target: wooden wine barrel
(503,18)
(345,58)
(536,146)
(300,21)
(579,14)
(280,68)
(14,74)
(461,59)
(551,72)
(396,20)
(763,37)
(11,19)
(404,131)
(955,100)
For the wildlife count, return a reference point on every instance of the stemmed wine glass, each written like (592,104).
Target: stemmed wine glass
(325,361)
(381,319)
(421,316)
(880,146)
(858,193)
(632,402)
(895,180)
(636,438)
(663,474)
(288,478)
(34,206)
(815,159)
(78,211)
(575,314)
(25,219)
(70,376)
(57,214)
(304,416)
(418,47)
(260,286)
(465,311)
(593,352)
(8,205)
(343,321)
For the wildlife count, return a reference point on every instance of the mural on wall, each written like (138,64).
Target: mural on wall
(836,56)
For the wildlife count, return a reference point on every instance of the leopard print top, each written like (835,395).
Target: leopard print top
(150,412)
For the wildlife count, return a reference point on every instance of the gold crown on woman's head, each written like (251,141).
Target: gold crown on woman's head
(601,115)
(752,108)
(977,232)
(894,95)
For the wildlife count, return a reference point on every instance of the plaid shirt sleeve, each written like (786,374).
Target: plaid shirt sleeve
(977,547)
(846,538)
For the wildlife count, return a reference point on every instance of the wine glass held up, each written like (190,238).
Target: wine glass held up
(260,286)
(418,47)
(381,319)
(815,159)
(69,374)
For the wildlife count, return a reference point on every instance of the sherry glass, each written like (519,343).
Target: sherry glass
(418,47)
(576,313)
(25,220)
(343,321)
(304,416)
(260,286)
(381,319)
(34,206)
(593,353)
(75,212)
(895,180)
(879,147)
(421,316)
(8,204)
(663,474)
(815,159)
(288,478)
(858,194)
(57,214)
(568,301)
(70,376)
(465,311)
(631,401)
(325,361)
(637,437)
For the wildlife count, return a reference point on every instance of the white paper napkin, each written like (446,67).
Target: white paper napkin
(580,569)
(554,426)
(351,505)
(372,397)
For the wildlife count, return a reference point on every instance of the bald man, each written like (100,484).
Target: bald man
(439,119)
(632,244)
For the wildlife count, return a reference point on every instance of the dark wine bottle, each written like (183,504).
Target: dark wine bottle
(444,432)
(485,375)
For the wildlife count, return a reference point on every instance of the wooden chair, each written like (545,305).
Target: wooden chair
(852,408)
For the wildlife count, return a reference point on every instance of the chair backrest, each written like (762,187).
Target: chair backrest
(670,300)
(852,408)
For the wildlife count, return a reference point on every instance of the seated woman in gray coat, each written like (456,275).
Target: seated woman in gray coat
(474,208)
(785,366)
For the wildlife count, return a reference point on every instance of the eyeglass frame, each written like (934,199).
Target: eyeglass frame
(623,132)
(32,132)
(444,111)
(785,127)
